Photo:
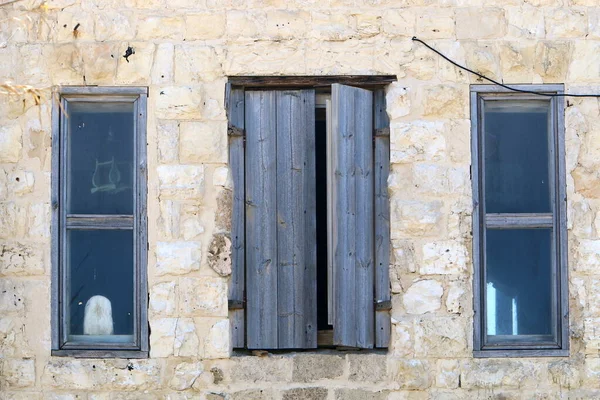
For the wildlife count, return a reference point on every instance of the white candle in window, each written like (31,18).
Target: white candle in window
(491,309)
(98,316)
(515,321)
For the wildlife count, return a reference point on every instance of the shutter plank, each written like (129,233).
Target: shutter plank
(364,235)
(352,132)
(382,222)
(296,226)
(235,110)
(261,220)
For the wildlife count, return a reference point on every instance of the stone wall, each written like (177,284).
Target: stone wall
(184,51)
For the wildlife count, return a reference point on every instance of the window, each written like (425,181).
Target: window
(519,222)
(99,245)
(310,212)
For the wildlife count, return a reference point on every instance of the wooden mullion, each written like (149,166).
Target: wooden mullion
(100,221)
(519,221)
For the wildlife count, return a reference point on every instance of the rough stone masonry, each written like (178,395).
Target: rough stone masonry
(184,51)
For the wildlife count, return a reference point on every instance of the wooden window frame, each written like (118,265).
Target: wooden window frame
(557,220)
(137,223)
(234,101)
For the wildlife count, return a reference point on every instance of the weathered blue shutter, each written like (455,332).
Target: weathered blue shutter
(280,219)
(352,136)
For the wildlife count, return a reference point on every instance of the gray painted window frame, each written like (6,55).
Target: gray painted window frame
(557,220)
(60,223)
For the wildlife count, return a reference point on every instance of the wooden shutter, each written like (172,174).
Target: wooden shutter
(352,137)
(382,223)
(280,219)
(235,115)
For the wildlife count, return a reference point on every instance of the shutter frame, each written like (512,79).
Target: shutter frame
(235,115)
(353,192)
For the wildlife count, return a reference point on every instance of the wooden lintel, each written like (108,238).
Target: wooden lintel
(311,81)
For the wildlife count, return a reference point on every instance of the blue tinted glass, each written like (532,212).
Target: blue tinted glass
(100,153)
(518,285)
(516,138)
(100,299)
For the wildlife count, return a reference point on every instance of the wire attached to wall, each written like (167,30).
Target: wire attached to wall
(416,39)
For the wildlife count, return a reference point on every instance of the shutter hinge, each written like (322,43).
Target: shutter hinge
(235,131)
(383,305)
(382,132)
(236,304)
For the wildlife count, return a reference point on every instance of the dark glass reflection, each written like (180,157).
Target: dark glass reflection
(516,157)
(518,285)
(100,173)
(100,264)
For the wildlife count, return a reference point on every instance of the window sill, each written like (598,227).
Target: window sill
(520,353)
(100,353)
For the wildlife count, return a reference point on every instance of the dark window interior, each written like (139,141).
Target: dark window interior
(321,187)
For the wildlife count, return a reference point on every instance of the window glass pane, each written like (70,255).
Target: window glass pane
(100,280)
(517,156)
(100,158)
(519,282)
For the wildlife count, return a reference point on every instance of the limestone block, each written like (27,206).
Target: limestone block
(585,62)
(3,184)
(177,102)
(186,342)
(332,26)
(399,22)
(66,23)
(285,24)
(203,142)
(181,180)
(168,141)
(250,394)
(163,66)
(500,373)
(10,143)
(18,373)
(587,256)
(314,367)
(404,261)
(21,182)
(12,296)
(445,101)
(360,394)
(281,58)
(13,219)
(482,57)
(194,64)
(367,368)
(402,338)
(480,23)
(185,375)
(305,393)
(219,255)
(411,374)
(180,220)
(525,22)
(424,65)
(436,24)
(443,258)
(244,24)
(217,343)
(591,369)
(203,26)
(566,23)
(439,179)
(423,297)
(447,374)
(397,100)
(136,68)
(415,218)
(20,259)
(66,63)
(368,24)
(221,177)
(205,296)
(100,63)
(455,300)
(335,57)
(159,27)
(38,221)
(441,337)
(162,338)
(262,369)
(163,298)
(417,141)
(591,335)
(447,72)
(112,25)
(214,100)
(566,374)
(177,258)
(223,213)
(516,61)
(593,23)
